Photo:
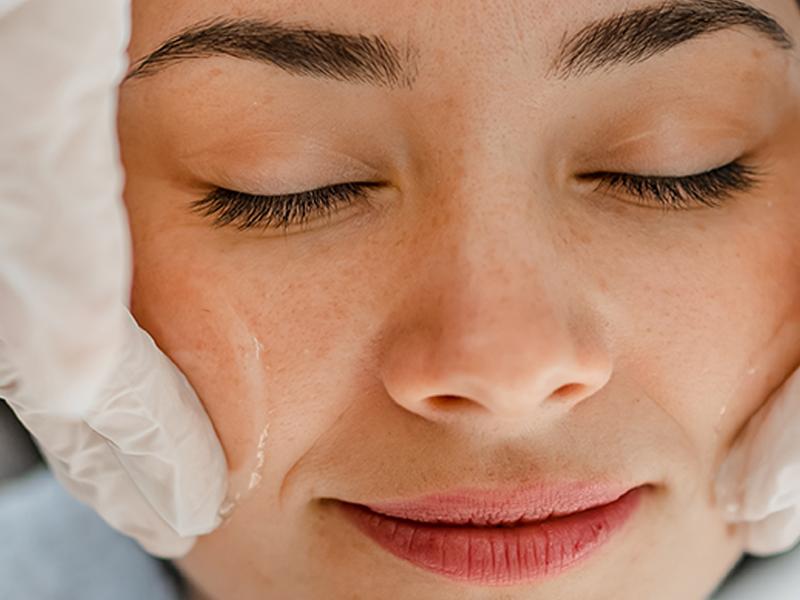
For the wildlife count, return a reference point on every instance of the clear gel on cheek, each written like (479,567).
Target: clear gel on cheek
(247,361)
(237,491)
(736,390)
(247,478)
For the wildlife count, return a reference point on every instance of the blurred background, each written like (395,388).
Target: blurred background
(18,454)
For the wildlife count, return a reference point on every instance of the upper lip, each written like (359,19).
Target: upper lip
(480,506)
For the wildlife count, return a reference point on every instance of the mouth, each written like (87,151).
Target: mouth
(498,538)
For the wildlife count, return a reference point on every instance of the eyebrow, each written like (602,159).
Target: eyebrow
(630,37)
(636,35)
(295,49)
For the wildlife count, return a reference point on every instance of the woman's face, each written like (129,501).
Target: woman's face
(498,309)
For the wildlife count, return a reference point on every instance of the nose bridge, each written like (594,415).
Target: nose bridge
(487,330)
(500,307)
(489,224)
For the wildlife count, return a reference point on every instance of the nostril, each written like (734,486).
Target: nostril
(455,403)
(570,390)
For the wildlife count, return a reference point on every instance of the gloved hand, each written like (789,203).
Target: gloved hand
(759,482)
(118,424)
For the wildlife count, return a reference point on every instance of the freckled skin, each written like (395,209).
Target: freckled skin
(599,337)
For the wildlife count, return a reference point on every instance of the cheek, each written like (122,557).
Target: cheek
(712,331)
(202,331)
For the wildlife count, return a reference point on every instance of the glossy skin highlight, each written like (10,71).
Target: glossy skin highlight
(485,321)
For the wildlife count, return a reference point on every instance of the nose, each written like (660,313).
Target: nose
(492,332)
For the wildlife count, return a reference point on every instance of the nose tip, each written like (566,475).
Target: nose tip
(514,395)
(524,346)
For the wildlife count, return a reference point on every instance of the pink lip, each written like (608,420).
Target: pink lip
(489,507)
(499,538)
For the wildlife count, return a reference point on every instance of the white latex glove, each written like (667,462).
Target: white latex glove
(118,424)
(759,482)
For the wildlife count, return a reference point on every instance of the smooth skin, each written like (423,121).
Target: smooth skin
(486,319)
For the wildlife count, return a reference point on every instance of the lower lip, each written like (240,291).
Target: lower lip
(498,555)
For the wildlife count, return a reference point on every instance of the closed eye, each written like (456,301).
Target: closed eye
(707,189)
(244,211)
(249,211)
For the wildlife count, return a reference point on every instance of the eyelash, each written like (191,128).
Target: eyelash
(247,211)
(708,189)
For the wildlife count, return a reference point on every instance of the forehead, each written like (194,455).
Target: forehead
(387,14)
(521,18)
